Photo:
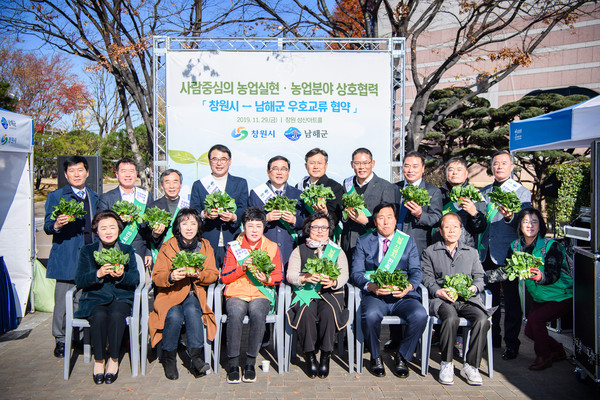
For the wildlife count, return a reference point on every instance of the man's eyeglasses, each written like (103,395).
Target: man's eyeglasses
(277,169)
(215,160)
(361,163)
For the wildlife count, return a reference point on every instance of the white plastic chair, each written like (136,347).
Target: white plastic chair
(389,320)
(133,322)
(277,319)
(291,337)
(486,296)
(144,324)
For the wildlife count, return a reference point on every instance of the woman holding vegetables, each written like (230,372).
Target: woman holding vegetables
(252,268)
(184,267)
(108,284)
(549,284)
(327,309)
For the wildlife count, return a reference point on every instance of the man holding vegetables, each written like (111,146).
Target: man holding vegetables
(126,172)
(69,234)
(389,253)
(282,202)
(453,276)
(510,197)
(220,223)
(374,191)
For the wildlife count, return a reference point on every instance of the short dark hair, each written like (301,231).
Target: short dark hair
(314,152)
(452,214)
(125,160)
(312,218)
(362,150)
(537,213)
(456,160)
(383,205)
(105,214)
(169,171)
(415,154)
(185,213)
(74,160)
(278,158)
(501,152)
(219,147)
(254,214)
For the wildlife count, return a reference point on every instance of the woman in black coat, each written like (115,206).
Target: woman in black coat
(108,292)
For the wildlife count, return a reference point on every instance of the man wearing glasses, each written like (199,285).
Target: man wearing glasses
(375,191)
(282,226)
(316,166)
(220,228)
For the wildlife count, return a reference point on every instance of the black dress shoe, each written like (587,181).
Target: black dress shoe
(400,367)
(312,369)
(59,350)
(377,367)
(110,378)
(98,379)
(510,353)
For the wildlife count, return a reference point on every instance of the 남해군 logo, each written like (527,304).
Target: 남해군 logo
(293,134)
(239,133)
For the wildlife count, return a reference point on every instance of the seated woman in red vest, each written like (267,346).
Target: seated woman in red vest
(108,293)
(248,293)
(325,315)
(551,286)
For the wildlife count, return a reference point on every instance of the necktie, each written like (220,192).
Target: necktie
(386,245)
(279,192)
(81,194)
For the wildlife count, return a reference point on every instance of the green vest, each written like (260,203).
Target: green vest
(560,290)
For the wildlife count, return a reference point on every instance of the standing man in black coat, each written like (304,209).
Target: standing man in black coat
(68,237)
(316,166)
(126,172)
(415,220)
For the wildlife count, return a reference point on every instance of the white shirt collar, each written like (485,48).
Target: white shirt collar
(417,183)
(130,197)
(76,191)
(366,180)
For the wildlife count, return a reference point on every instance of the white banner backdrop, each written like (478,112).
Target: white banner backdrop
(16,196)
(262,104)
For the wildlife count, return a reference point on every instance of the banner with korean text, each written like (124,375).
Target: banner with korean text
(262,104)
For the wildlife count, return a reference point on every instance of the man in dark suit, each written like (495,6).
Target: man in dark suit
(415,220)
(170,182)
(375,191)
(220,228)
(67,239)
(316,166)
(278,171)
(126,172)
(371,254)
(493,248)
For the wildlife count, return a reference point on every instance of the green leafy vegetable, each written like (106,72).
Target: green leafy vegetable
(322,266)
(261,262)
(156,216)
(220,201)
(413,193)
(352,201)
(518,265)
(458,285)
(112,256)
(458,193)
(128,212)
(396,280)
(72,208)
(189,262)
(281,203)
(510,200)
(317,194)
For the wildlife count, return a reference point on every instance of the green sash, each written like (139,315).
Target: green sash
(449,207)
(353,190)
(394,253)
(131,230)
(310,290)
(491,211)
(240,255)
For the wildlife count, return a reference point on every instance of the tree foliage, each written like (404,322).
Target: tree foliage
(116,146)
(7,100)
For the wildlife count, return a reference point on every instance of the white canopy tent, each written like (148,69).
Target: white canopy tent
(16,202)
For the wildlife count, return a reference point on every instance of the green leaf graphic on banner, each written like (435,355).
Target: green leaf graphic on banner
(184,157)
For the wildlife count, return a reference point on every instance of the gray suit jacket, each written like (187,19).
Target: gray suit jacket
(378,191)
(500,232)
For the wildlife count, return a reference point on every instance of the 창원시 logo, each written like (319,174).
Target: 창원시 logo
(293,134)
(239,133)
(4,124)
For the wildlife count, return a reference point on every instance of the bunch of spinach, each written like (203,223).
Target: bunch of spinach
(128,212)
(418,195)
(509,200)
(458,285)
(352,201)
(219,201)
(519,264)
(72,209)
(281,203)
(459,193)
(189,262)
(112,256)
(396,280)
(261,262)
(156,216)
(322,266)
(317,194)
